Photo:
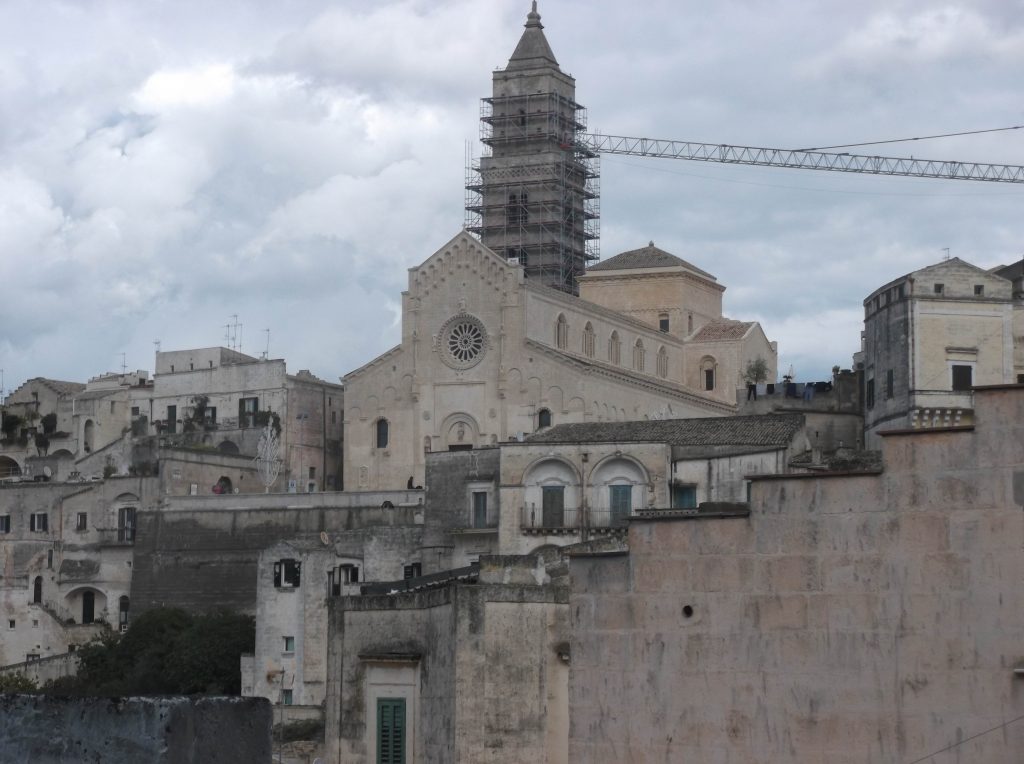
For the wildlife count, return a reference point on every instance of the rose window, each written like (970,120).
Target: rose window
(463,341)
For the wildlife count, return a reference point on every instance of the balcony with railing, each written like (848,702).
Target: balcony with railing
(568,521)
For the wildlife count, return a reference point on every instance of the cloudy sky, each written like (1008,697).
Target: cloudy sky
(166,165)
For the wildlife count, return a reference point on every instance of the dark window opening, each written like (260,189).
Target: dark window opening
(709,379)
(684,497)
(544,418)
(122,614)
(889,384)
(5,523)
(382,433)
(869,393)
(126,524)
(247,408)
(37,590)
(663,322)
(412,570)
(39,522)
(962,378)
(553,506)
(940,288)
(88,607)
(621,502)
(479,509)
(979,290)
(172,417)
(287,574)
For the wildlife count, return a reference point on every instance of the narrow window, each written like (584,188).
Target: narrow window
(81,521)
(334,417)
(122,614)
(49,559)
(663,322)
(543,418)
(638,355)
(289,644)
(39,522)
(126,524)
(479,509)
(553,506)
(869,393)
(88,607)
(940,288)
(287,697)
(312,473)
(614,349)
(979,290)
(621,503)
(962,378)
(172,417)
(562,332)
(11,624)
(382,433)
(889,383)
(37,590)
(662,363)
(709,379)
(588,340)
(390,731)
(5,523)
(135,410)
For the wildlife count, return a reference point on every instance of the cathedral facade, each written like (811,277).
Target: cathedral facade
(508,331)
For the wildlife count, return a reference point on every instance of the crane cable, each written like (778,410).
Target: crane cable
(919,138)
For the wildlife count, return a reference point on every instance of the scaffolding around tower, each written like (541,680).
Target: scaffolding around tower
(534,195)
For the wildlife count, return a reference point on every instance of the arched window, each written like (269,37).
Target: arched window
(561,332)
(544,418)
(638,355)
(662,362)
(37,590)
(614,349)
(381,440)
(708,369)
(588,340)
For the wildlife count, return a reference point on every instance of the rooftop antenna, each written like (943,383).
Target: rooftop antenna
(266,352)
(233,333)
(156,344)
(946,250)
(124,366)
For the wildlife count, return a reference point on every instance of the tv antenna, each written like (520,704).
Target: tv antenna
(266,352)
(233,333)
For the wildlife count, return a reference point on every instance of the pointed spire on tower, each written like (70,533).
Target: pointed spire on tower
(533,49)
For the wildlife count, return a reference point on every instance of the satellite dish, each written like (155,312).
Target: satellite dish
(48,472)
(324,538)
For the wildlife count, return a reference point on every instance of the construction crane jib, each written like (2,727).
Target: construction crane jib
(802,160)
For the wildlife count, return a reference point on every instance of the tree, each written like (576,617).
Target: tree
(49,422)
(756,371)
(165,652)
(42,444)
(16,682)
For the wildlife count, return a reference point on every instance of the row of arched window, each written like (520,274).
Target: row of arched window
(589,345)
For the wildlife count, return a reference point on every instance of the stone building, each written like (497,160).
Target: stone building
(488,356)
(874,617)
(929,336)
(66,553)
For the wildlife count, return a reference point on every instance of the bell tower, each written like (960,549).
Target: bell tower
(533,195)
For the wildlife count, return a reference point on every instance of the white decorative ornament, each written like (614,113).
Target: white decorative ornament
(268,462)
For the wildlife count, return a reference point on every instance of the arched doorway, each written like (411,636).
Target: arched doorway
(88,607)
(223,485)
(37,590)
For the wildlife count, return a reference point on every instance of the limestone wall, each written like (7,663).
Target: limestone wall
(848,619)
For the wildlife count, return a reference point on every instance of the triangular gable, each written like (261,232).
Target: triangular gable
(465,246)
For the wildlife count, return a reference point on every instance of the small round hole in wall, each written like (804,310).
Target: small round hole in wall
(687,611)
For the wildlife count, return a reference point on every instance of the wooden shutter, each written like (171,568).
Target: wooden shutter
(390,731)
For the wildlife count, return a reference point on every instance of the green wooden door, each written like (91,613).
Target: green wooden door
(390,731)
(553,506)
(621,501)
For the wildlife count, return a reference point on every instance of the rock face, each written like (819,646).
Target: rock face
(161,730)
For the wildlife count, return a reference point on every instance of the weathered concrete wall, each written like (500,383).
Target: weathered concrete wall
(452,477)
(482,667)
(206,559)
(848,619)
(47,730)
